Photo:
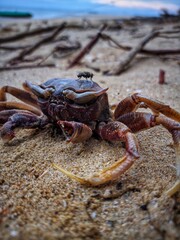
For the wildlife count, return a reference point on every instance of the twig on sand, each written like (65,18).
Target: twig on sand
(124,64)
(45,172)
(37,45)
(87,48)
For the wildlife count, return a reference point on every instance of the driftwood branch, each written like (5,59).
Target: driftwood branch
(12,48)
(160,51)
(144,50)
(124,64)
(87,48)
(108,38)
(26,66)
(66,48)
(27,34)
(37,45)
(18,47)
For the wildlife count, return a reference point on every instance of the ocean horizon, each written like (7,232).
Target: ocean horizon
(71,8)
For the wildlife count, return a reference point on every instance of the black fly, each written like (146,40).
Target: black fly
(85,75)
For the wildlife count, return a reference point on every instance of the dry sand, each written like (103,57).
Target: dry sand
(37,202)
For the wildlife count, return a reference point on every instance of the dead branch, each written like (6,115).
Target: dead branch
(168,32)
(106,37)
(161,34)
(124,64)
(37,45)
(26,66)
(66,47)
(27,34)
(168,37)
(87,48)
(12,48)
(173,58)
(160,51)
(144,50)
(77,25)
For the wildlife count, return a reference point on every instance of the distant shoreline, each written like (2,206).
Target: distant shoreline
(169,17)
(89,8)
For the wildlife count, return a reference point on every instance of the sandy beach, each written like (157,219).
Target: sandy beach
(38,202)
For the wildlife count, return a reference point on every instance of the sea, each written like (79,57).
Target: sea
(75,8)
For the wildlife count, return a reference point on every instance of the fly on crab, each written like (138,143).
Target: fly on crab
(80,108)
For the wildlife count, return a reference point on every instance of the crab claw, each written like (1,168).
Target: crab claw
(75,132)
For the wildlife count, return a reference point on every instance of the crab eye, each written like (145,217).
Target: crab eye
(39,91)
(69,94)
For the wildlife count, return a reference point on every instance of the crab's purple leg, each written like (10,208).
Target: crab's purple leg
(18,105)
(5,114)
(18,93)
(23,119)
(131,103)
(139,121)
(113,131)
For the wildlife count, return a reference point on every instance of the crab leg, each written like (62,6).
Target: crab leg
(140,121)
(23,119)
(130,104)
(18,93)
(5,114)
(18,105)
(174,129)
(113,131)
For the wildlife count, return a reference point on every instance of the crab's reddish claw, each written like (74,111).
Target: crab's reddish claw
(74,131)
(113,131)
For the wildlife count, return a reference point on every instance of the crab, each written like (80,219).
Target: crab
(80,108)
